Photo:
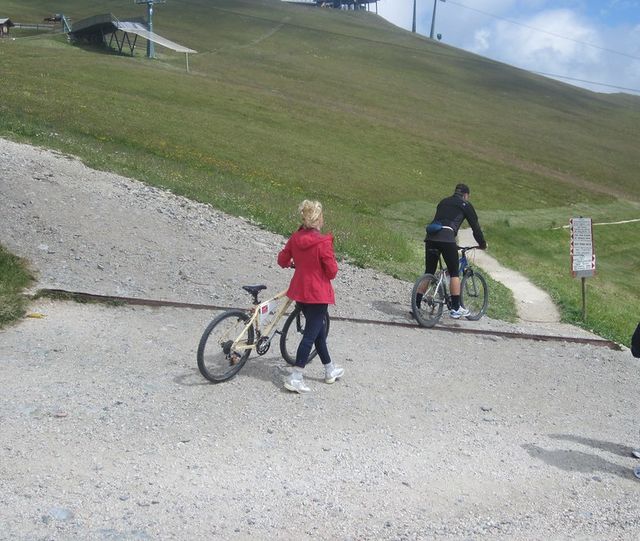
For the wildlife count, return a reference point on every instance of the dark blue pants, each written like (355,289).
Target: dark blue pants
(314,334)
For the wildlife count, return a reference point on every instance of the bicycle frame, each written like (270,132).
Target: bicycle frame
(473,291)
(442,272)
(463,262)
(270,329)
(231,337)
(442,282)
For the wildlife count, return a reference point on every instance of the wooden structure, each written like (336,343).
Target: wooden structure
(5,24)
(105,29)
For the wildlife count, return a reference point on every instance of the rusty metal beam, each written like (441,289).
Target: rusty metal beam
(92,297)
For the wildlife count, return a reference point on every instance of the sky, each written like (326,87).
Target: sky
(580,42)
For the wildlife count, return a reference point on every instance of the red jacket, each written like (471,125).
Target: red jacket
(315,262)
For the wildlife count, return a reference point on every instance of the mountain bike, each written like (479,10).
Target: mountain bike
(474,293)
(230,338)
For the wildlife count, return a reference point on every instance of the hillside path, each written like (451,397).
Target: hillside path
(109,432)
(532,303)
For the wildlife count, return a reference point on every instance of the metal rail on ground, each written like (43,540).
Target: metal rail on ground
(92,297)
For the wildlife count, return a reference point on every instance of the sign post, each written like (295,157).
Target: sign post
(583,255)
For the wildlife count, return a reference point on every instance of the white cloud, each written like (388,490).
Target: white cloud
(562,44)
(621,70)
(481,39)
(569,46)
(536,41)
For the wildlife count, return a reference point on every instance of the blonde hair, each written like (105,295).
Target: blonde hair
(310,212)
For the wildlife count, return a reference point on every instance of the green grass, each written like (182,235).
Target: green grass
(285,102)
(612,302)
(80,298)
(501,303)
(14,277)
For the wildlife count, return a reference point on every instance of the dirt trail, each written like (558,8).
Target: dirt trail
(533,304)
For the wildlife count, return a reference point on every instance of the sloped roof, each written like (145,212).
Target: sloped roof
(141,30)
(108,24)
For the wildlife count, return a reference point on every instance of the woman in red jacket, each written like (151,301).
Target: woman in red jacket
(311,253)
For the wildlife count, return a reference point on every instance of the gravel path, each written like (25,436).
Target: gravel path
(109,431)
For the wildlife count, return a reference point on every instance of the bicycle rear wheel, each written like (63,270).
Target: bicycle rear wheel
(217,360)
(474,294)
(292,333)
(430,310)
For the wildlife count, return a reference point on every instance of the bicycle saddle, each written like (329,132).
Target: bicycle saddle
(254,290)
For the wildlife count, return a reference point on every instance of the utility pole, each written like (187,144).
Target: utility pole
(150,50)
(413,28)
(433,17)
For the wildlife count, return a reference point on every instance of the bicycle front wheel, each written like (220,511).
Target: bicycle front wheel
(474,294)
(429,311)
(218,358)
(292,333)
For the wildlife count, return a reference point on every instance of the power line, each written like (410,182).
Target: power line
(585,81)
(474,58)
(544,31)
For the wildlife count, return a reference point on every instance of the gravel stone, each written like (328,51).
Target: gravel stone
(109,432)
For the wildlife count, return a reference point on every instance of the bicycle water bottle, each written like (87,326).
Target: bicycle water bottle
(447,279)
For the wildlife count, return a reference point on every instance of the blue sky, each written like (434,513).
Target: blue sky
(584,40)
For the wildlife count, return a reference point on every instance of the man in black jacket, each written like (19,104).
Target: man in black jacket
(450,214)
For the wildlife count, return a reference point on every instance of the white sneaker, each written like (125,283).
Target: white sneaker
(635,453)
(330,376)
(295,382)
(460,312)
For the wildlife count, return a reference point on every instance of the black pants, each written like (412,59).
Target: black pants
(449,251)
(314,334)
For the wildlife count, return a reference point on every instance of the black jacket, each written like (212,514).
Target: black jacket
(451,212)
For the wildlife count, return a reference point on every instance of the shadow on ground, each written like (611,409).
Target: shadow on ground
(571,460)
(610,447)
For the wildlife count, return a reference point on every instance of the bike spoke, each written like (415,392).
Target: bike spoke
(427,300)
(474,295)
(225,346)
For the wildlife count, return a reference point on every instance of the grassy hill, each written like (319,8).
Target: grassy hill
(285,102)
